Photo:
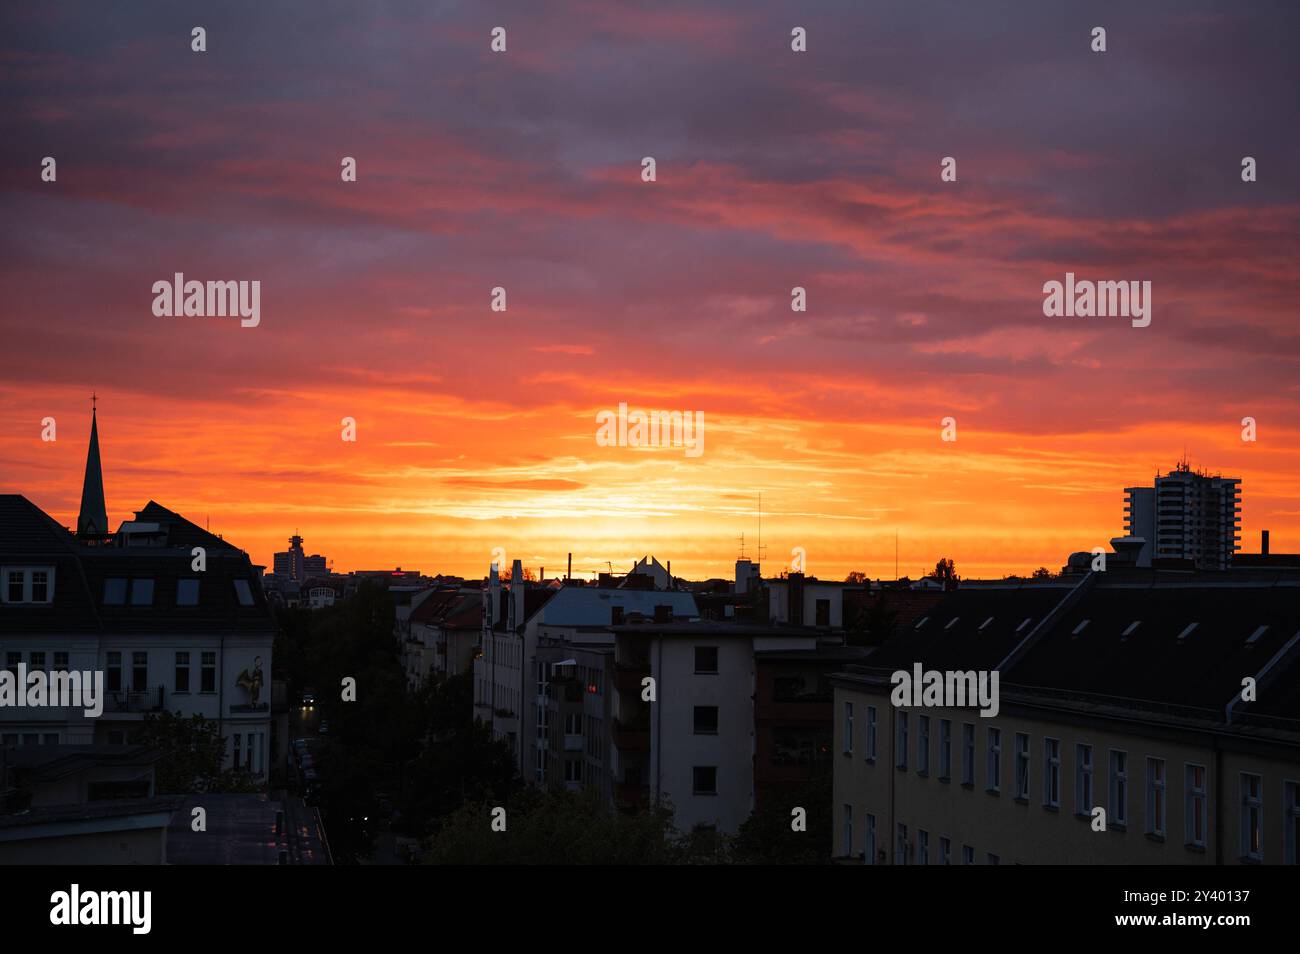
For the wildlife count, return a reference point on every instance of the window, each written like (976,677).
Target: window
(60,662)
(244,592)
(848,831)
(922,847)
(114,591)
(706,720)
(848,728)
(1052,773)
(1022,766)
(37,663)
(28,584)
(967,754)
(139,671)
(1252,817)
(50,738)
(945,749)
(923,745)
(706,659)
(1195,807)
(870,742)
(1083,779)
(706,780)
(114,673)
(142,592)
(870,853)
(1118,813)
(1291,823)
(236,746)
(901,742)
(945,851)
(187,592)
(208,672)
(900,848)
(573,723)
(1156,797)
(182,672)
(994,859)
(993,781)
(12,661)
(823,612)
(967,855)
(572,770)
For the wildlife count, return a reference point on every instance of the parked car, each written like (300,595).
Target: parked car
(308,698)
(324,727)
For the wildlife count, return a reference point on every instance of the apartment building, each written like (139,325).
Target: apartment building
(173,616)
(1120,691)
(1186,515)
(521,617)
(694,744)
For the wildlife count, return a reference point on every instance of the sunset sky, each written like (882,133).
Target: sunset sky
(522,169)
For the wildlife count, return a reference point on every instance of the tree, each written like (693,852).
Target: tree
(856,576)
(945,572)
(872,623)
(193,752)
(769,838)
(1043,573)
(554,827)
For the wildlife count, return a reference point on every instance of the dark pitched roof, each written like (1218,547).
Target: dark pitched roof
(28,535)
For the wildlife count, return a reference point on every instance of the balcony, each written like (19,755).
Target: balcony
(627,678)
(633,736)
(134,700)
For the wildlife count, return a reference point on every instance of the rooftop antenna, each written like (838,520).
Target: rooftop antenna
(895,554)
(760,528)
(742,545)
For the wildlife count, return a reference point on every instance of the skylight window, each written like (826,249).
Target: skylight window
(187,592)
(1254,637)
(114,591)
(1132,627)
(1079,629)
(984,625)
(1027,621)
(142,592)
(1188,631)
(923,620)
(244,592)
(952,622)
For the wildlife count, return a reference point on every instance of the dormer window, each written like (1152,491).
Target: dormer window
(187,592)
(244,592)
(28,584)
(114,591)
(142,592)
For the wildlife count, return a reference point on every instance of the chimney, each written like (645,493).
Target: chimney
(517,594)
(670,575)
(494,595)
(541,576)
(568,574)
(664,613)
(1263,542)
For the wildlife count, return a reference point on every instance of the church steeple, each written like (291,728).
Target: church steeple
(93,519)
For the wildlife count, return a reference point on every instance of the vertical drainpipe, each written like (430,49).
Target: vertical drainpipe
(892,831)
(1218,801)
(657,742)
